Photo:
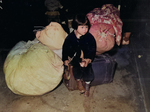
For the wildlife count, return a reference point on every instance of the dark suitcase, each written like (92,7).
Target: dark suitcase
(103,68)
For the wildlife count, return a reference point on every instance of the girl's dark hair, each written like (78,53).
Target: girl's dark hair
(80,19)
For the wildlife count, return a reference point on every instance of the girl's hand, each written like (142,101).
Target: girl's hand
(66,62)
(85,62)
(82,64)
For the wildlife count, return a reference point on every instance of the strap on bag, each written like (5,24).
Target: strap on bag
(67,72)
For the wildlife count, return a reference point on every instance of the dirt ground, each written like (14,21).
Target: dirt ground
(122,95)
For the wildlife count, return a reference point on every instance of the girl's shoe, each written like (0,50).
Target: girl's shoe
(80,86)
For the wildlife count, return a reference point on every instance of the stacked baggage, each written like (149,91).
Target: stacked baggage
(103,68)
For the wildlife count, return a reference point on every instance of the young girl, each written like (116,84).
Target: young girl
(79,50)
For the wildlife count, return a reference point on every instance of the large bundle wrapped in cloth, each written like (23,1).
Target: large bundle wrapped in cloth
(52,36)
(110,15)
(31,68)
(104,36)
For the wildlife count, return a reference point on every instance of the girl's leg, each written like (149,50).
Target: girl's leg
(88,76)
(78,75)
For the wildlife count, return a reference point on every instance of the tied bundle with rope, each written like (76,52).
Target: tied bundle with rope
(106,27)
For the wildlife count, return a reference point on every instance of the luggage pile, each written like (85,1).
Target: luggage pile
(103,67)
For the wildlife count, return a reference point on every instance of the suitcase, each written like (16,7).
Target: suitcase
(103,67)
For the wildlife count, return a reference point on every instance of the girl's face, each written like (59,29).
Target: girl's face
(82,29)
